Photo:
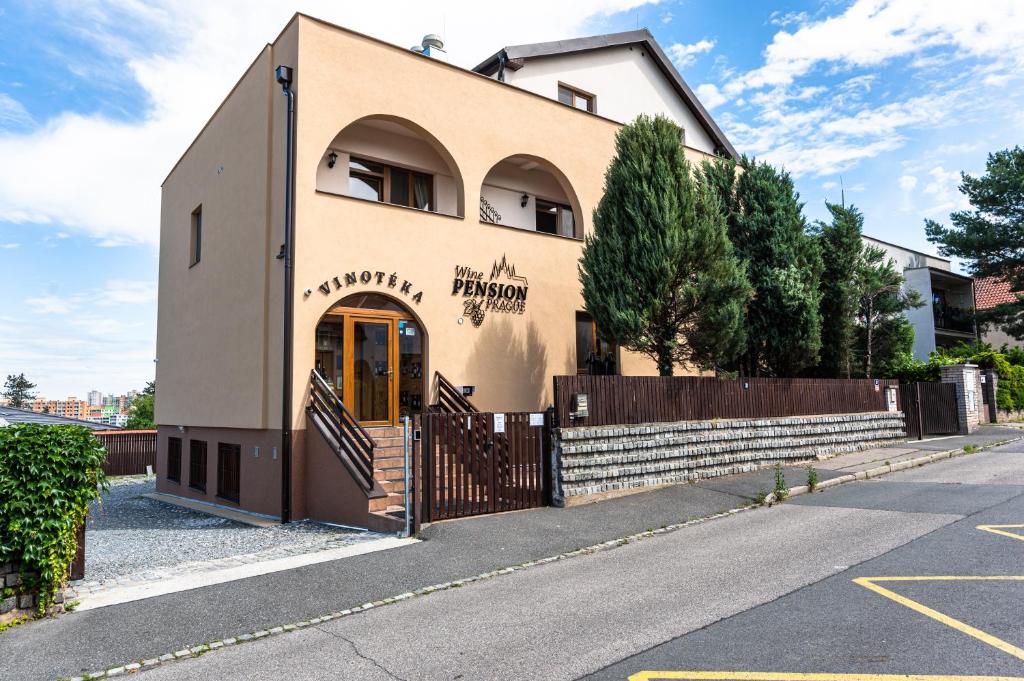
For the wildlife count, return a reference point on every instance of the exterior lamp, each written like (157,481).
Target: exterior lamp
(524,200)
(332,158)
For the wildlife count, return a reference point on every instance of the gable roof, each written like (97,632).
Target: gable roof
(9,415)
(515,55)
(992,291)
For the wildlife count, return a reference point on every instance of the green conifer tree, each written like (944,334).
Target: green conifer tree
(659,274)
(768,230)
(840,244)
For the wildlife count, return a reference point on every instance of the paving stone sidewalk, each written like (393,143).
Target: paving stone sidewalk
(104,637)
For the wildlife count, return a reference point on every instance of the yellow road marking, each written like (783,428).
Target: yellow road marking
(1001,529)
(869,583)
(796,676)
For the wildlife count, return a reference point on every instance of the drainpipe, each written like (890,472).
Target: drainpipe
(284,77)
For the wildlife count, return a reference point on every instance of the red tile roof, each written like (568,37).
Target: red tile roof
(992,291)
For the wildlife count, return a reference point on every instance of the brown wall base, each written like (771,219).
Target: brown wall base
(322,488)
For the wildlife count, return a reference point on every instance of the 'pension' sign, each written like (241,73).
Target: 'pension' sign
(503,291)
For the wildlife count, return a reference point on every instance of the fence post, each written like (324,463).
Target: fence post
(920,412)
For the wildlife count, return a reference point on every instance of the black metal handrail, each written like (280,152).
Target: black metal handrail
(355,444)
(450,398)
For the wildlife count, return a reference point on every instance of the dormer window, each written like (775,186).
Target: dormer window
(576,98)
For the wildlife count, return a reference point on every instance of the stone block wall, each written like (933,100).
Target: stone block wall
(610,459)
(15,600)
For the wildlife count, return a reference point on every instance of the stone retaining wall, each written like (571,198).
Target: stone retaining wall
(16,601)
(599,460)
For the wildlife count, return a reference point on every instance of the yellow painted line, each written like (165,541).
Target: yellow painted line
(1001,529)
(796,676)
(869,583)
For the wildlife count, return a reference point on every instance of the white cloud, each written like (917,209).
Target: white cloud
(789,18)
(13,112)
(9,246)
(128,292)
(49,305)
(907,182)
(872,32)
(710,96)
(829,185)
(186,55)
(685,55)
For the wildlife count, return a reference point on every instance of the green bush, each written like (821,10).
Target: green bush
(48,476)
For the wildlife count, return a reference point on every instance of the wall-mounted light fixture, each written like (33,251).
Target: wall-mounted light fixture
(525,199)
(332,158)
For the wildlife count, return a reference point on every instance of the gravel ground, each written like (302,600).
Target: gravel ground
(128,534)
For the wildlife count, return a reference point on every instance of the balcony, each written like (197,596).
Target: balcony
(949,318)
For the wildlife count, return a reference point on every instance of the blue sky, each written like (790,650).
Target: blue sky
(892,98)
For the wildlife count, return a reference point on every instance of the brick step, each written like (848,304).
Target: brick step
(389,461)
(388,473)
(382,503)
(392,486)
(384,432)
(389,441)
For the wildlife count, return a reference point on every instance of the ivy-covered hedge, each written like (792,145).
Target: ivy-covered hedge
(48,476)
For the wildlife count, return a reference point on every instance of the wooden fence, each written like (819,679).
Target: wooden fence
(625,400)
(128,451)
(931,409)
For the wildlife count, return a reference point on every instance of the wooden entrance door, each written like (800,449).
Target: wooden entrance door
(371,356)
(373,360)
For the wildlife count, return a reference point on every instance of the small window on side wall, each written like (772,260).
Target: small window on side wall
(577,99)
(195,241)
(594,355)
(174,459)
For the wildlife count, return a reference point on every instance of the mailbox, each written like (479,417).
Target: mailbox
(579,406)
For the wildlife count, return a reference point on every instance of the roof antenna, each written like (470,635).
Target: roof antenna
(636,18)
(842,192)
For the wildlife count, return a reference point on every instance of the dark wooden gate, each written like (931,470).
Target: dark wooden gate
(930,409)
(467,468)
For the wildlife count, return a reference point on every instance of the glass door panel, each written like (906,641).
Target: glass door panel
(330,353)
(410,368)
(371,370)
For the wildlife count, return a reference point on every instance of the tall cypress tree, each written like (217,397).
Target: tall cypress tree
(768,230)
(840,243)
(659,274)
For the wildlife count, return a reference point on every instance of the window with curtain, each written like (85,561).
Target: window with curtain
(390,184)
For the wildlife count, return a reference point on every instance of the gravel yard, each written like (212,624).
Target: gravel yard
(128,535)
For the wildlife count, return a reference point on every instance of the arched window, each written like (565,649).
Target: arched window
(392,160)
(530,193)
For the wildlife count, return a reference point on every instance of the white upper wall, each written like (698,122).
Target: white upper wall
(625,80)
(907,258)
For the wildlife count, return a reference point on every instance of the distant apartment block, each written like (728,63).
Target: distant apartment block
(947,317)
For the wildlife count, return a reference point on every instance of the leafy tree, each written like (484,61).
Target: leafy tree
(882,300)
(659,275)
(768,230)
(18,390)
(990,236)
(893,339)
(140,414)
(840,241)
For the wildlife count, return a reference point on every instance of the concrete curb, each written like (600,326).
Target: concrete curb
(196,651)
(885,469)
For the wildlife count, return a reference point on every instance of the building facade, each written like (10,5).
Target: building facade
(990,292)
(947,316)
(439,216)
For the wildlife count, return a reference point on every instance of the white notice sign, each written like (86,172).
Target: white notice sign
(536,419)
(499,423)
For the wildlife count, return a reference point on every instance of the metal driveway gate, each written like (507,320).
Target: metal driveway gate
(930,409)
(476,463)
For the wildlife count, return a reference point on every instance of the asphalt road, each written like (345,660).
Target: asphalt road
(768,590)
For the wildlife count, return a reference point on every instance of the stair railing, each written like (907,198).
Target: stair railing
(450,399)
(354,446)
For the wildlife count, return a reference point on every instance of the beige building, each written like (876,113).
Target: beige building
(438,219)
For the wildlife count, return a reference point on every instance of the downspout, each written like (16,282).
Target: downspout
(284,77)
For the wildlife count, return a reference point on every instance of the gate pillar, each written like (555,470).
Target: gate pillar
(967,379)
